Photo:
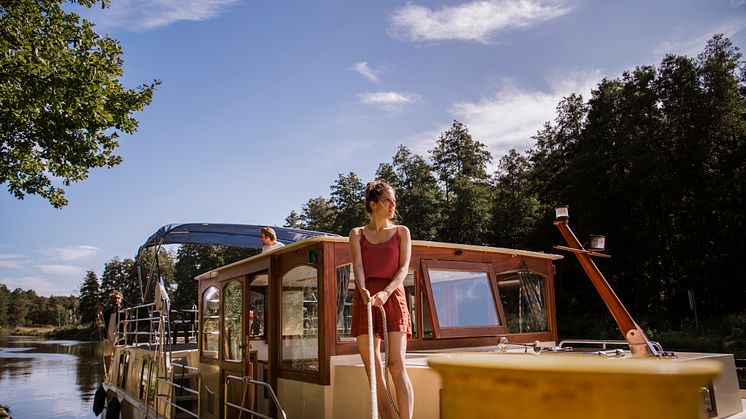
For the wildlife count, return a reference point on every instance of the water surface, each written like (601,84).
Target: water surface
(43,378)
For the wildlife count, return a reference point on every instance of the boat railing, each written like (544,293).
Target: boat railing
(176,390)
(139,325)
(603,345)
(243,409)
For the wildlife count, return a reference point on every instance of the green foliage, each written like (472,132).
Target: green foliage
(24,308)
(348,201)
(419,201)
(62,105)
(318,214)
(90,299)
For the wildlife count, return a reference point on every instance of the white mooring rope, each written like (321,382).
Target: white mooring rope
(373,391)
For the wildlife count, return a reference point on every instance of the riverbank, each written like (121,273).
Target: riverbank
(55,332)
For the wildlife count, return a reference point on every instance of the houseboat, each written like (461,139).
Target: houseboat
(270,336)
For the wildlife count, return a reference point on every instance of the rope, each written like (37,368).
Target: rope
(371,360)
(372,363)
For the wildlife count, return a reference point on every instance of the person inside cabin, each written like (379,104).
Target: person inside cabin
(110,326)
(269,238)
(381,251)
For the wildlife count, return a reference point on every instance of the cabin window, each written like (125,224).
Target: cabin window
(210,322)
(300,319)
(523,297)
(144,378)
(463,299)
(232,321)
(257,305)
(152,381)
(346,290)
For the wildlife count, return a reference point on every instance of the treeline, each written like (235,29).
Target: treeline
(654,159)
(24,308)
(177,271)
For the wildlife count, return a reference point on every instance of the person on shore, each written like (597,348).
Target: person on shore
(269,238)
(381,251)
(110,316)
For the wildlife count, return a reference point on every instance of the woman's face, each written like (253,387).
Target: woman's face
(386,204)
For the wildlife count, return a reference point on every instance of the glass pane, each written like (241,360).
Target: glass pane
(346,290)
(300,319)
(258,305)
(522,296)
(411,302)
(233,313)
(463,299)
(210,322)
(427,330)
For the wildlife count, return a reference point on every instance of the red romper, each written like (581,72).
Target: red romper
(380,263)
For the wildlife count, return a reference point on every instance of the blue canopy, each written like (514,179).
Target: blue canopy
(234,235)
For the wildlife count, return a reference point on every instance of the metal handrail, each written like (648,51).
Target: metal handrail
(246,381)
(171,400)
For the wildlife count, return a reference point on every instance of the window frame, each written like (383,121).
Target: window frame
(467,331)
(222,335)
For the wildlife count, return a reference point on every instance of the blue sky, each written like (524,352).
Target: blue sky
(264,103)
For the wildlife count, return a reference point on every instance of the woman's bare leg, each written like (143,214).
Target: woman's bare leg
(384,408)
(404,390)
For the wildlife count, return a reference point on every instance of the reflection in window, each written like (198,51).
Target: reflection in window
(210,322)
(233,318)
(522,296)
(300,319)
(409,292)
(257,305)
(346,290)
(463,299)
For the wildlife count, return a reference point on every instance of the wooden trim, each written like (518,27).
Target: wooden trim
(329,281)
(454,332)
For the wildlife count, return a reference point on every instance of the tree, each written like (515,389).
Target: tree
(4,304)
(18,308)
(515,209)
(293,220)
(461,165)
(62,105)
(457,153)
(192,260)
(348,201)
(318,214)
(419,200)
(90,298)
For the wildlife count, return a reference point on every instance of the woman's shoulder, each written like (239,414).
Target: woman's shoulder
(356,232)
(403,230)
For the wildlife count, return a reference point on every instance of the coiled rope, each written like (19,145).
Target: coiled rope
(371,359)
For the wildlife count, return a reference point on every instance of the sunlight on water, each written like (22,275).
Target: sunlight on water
(48,378)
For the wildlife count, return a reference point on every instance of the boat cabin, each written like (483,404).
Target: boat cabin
(283,317)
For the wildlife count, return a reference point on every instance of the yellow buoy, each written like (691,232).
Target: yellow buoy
(570,386)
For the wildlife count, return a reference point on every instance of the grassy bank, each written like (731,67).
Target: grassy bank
(55,332)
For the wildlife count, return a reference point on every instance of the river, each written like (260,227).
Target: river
(42,378)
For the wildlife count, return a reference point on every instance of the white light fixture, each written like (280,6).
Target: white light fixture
(597,243)
(562,212)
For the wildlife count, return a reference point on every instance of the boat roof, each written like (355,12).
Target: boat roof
(420,243)
(234,235)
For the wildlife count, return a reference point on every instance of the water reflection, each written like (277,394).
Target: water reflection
(49,378)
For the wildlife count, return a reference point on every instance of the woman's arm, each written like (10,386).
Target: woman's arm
(405,255)
(357,263)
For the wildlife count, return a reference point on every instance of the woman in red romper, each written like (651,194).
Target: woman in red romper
(381,252)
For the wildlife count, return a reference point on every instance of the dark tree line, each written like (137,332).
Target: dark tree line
(654,159)
(24,308)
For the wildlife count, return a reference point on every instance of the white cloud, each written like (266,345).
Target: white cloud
(71,253)
(390,101)
(12,261)
(42,286)
(686,43)
(365,71)
(475,21)
(63,270)
(142,15)
(737,3)
(510,116)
